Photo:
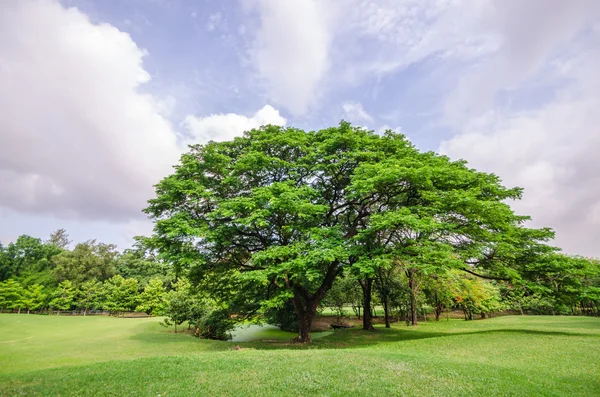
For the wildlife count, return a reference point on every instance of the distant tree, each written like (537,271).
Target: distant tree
(341,295)
(152,300)
(3,300)
(474,296)
(438,289)
(63,297)
(26,258)
(59,238)
(89,295)
(120,294)
(209,320)
(178,304)
(141,263)
(87,261)
(35,297)
(12,294)
(6,266)
(390,288)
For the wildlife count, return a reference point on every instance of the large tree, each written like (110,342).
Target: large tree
(274,206)
(289,211)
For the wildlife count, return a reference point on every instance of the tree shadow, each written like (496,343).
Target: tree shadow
(357,339)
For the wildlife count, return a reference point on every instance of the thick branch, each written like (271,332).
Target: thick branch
(486,277)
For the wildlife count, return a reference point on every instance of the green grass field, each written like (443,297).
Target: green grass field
(508,356)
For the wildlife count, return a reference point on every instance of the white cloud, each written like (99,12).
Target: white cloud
(305,48)
(385,127)
(222,127)
(551,151)
(527,37)
(355,112)
(548,145)
(302,49)
(77,137)
(291,51)
(215,21)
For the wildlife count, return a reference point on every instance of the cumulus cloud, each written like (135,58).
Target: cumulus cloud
(355,112)
(527,37)
(291,50)
(388,35)
(303,48)
(222,127)
(551,149)
(77,137)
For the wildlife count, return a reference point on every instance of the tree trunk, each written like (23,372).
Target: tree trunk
(381,285)
(84,311)
(412,283)
(306,310)
(386,313)
(306,303)
(437,307)
(304,329)
(19,311)
(27,310)
(366,285)
(175,327)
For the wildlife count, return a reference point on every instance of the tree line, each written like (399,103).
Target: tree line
(43,276)
(47,277)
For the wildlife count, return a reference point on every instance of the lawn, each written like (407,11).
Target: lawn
(508,356)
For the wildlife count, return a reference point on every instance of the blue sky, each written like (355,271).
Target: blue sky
(99,98)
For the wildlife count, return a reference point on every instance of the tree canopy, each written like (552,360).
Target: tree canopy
(288,211)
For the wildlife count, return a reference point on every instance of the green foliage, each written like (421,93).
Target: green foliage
(283,316)
(90,295)
(26,259)
(35,298)
(152,300)
(440,290)
(210,321)
(63,297)
(60,239)
(87,261)
(178,304)
(11,295)
(141,263)
(344,292)
(476,296)
(290,211)
(120,294)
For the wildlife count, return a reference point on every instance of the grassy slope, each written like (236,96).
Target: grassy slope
(555,356)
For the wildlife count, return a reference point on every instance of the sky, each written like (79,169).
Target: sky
(98,99)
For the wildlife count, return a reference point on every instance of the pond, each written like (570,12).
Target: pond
(257,332)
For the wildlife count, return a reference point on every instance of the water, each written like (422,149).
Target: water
(267,332)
